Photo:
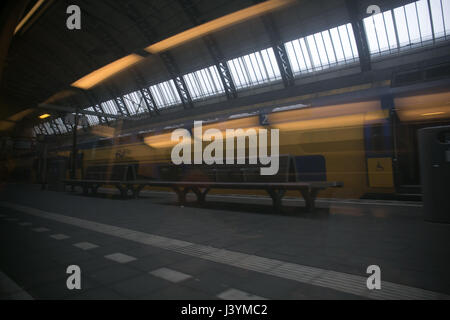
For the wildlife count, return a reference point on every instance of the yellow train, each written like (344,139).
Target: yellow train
(361,144)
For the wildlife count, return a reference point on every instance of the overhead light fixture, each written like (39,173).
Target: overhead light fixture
(28,15)
(44,116)
(217,24)
(119,65)
(99,75)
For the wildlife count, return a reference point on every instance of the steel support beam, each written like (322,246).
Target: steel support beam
(121,106)
(111,42)
(147,96)
(178,80)
(149,100)
(360,36)
(99,109)
(96,105)
(191,11)
(82,111)
(151,36)
(279,50)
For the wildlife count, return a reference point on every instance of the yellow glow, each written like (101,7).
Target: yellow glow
(59,95)
(103,131)
(6,125)
(22,114)
(432,106)
(29,15)
(423,101)
(161,141)
(99,75)
(217,24)
(325,123)
(324,112)
(337,116)
(43,116)
(242,123)
(432,113)
(417,114)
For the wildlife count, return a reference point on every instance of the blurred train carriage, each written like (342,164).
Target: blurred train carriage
(370,146)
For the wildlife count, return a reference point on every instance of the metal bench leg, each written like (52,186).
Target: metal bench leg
(277,197)
(85,189)
(123,190)
(136,190)
(201,194)
(310,198)
(181,195)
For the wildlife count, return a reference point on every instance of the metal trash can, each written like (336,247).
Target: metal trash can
(434,156)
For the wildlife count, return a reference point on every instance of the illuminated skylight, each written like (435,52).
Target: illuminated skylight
(203,83)
(322,50)
(413,25)
(253,69)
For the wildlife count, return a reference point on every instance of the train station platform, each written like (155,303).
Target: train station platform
(234,247)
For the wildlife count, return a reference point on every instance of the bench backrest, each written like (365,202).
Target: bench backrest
(105,172)
(229,173)
(311,168)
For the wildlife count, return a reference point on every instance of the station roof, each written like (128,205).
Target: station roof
(137,59)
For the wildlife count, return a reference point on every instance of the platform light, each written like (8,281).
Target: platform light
(44,116)
(99,75)
(217,24)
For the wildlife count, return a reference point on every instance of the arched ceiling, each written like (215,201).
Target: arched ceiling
(45,58)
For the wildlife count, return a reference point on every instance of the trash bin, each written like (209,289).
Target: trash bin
(434,156)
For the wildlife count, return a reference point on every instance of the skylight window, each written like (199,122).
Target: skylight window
(254,69)
(61,126)
(204,83)
(48,128)
(322,50)
(93,120)
(109,107)
(413,25)
(165,94)
(135,102)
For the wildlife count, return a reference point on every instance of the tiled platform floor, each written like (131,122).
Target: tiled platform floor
(258,254)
